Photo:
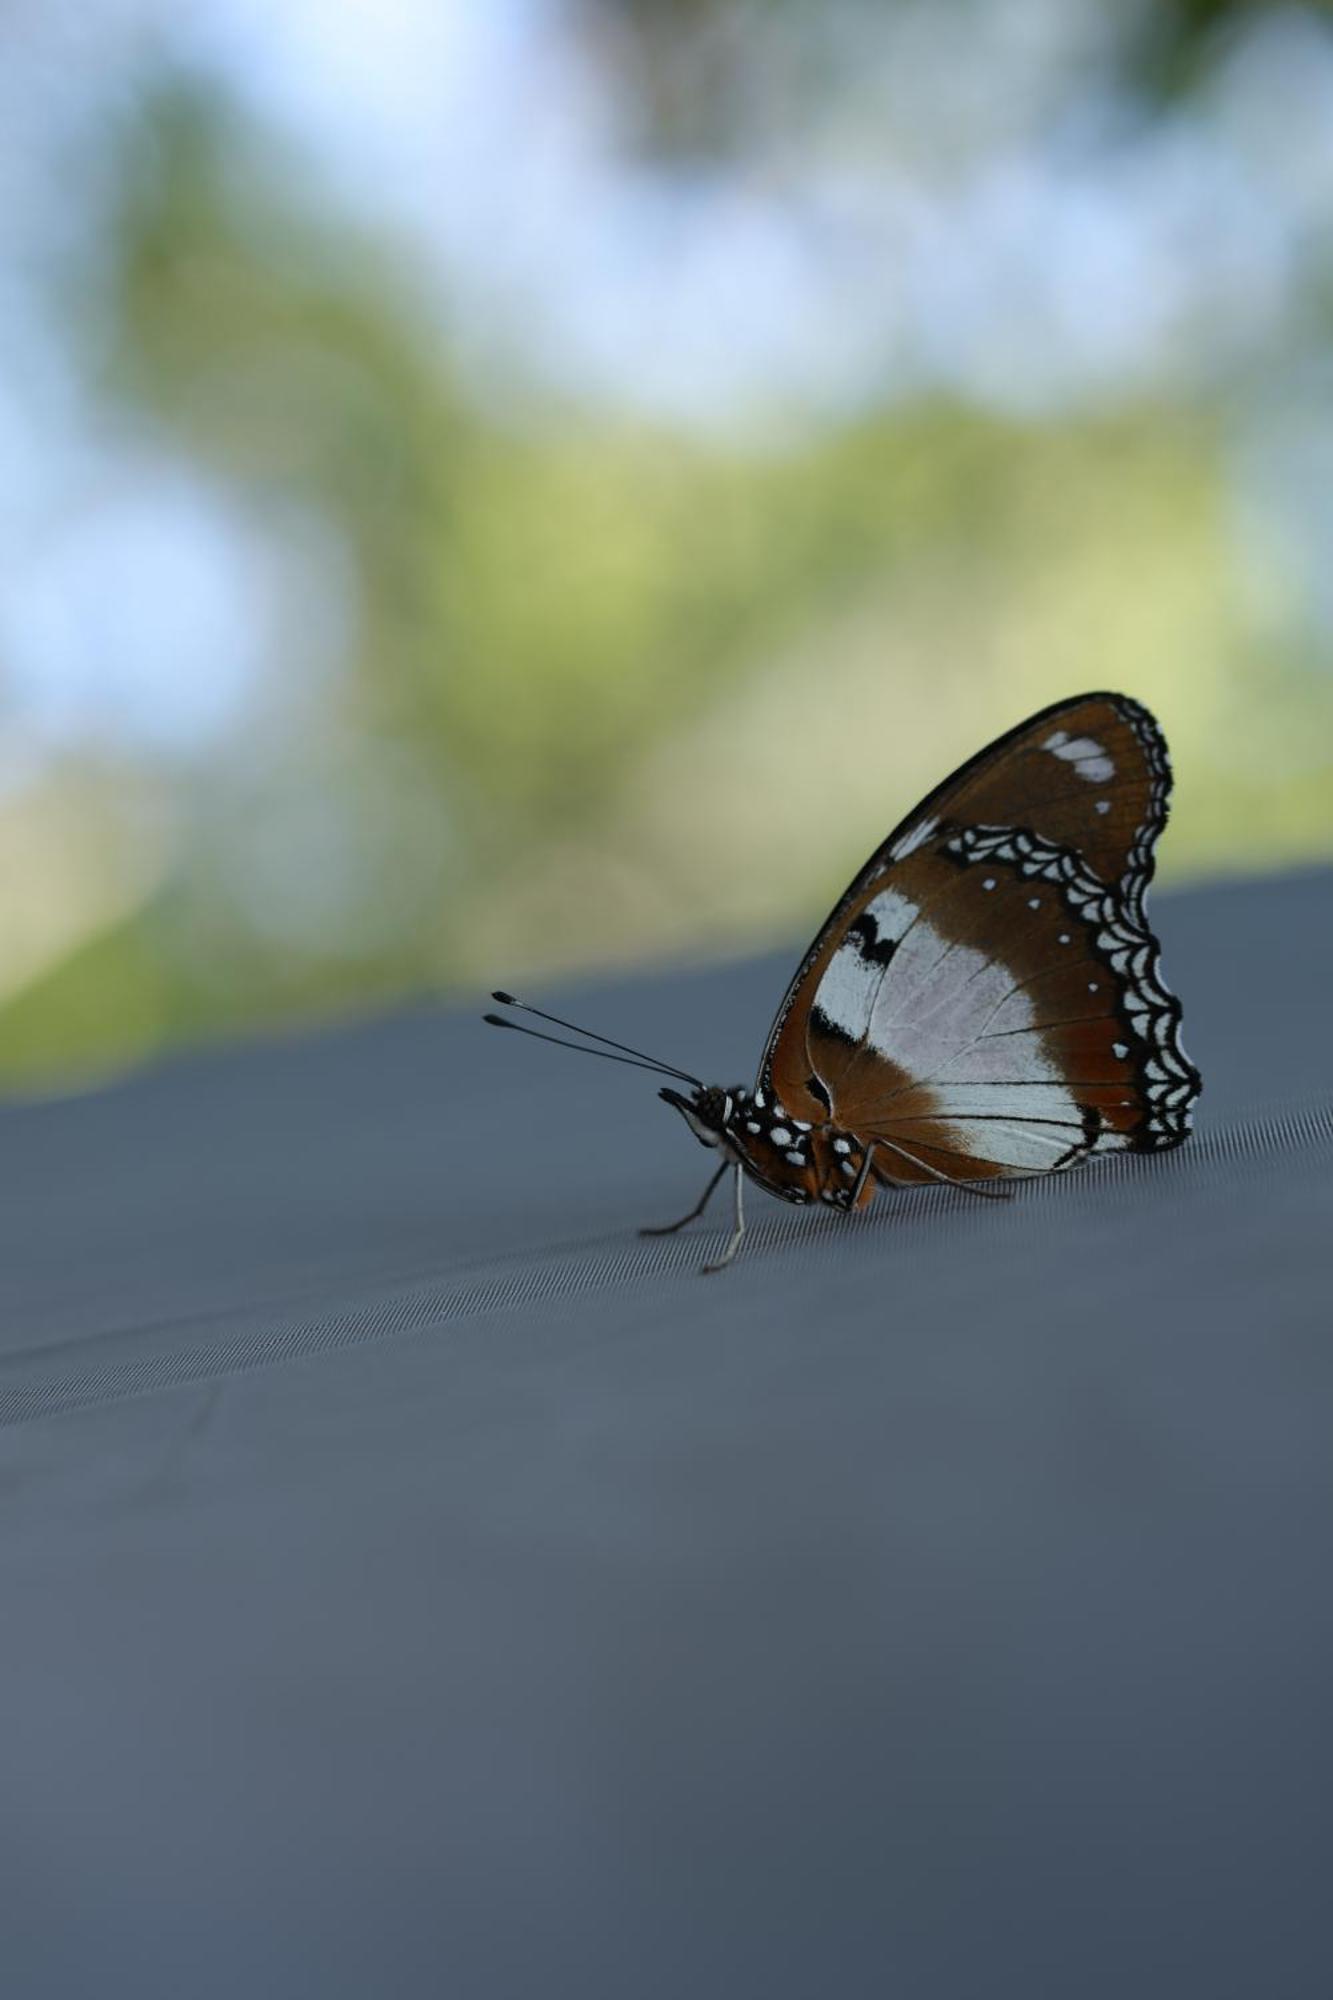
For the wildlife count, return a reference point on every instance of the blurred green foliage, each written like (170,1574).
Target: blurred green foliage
(600,690)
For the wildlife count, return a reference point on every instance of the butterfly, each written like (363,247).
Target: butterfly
(985,1002)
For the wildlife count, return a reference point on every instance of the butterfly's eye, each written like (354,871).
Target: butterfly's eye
(707,1114)
(713,1106)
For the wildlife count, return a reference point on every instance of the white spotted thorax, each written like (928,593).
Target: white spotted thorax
(790,1157)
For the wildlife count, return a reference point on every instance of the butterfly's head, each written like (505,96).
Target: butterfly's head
(707,1111)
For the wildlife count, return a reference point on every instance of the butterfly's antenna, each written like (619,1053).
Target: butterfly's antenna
(581,1048)
(647,1061)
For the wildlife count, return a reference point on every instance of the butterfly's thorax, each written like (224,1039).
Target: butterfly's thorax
(793,1158)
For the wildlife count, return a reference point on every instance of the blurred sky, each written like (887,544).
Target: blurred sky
(969,201)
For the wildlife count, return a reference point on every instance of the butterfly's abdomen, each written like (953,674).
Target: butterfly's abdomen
(842,1182)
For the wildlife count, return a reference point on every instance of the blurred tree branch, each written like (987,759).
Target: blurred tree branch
(702,77)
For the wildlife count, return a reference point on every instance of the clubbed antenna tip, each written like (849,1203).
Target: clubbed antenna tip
(627,1054)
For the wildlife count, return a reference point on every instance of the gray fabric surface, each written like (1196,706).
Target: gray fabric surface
(415,1584)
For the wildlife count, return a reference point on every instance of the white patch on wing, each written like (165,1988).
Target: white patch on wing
(950,1016)
(1086,755)
(847,991)
(1006,1142)
(936,999)
(1023,1148)
(915,836)
(1045,997)
(947,1014)
(1039,1095)
(894,914)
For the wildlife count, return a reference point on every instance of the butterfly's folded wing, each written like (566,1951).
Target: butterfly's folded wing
(986,998)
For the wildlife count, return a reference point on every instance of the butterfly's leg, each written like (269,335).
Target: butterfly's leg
(967,1187)
(670,1228)
(734,1240)
(862,1177)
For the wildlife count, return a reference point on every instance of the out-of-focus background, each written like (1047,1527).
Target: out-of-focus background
(496,490)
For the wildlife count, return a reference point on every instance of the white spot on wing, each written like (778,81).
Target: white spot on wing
(1086,755)
(915,836)
(780,1136)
